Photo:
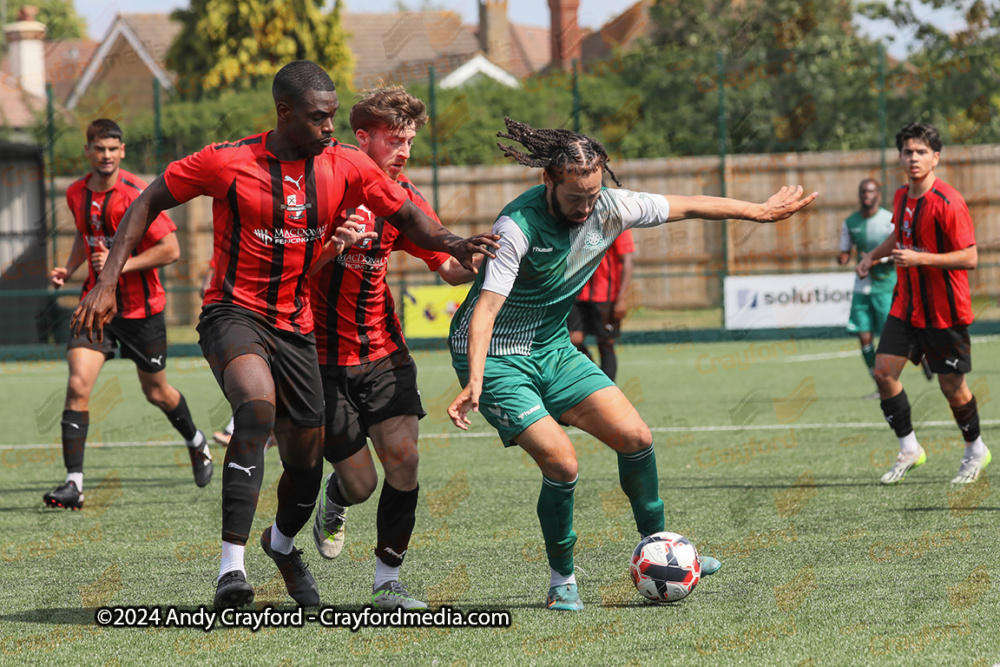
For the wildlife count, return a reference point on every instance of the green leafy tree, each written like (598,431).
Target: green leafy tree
(953,76)
(59,16)
(238,43)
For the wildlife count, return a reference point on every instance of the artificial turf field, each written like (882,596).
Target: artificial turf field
(768,459)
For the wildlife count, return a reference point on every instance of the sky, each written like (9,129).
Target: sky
(592,14)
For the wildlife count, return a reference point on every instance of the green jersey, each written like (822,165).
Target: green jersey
(868,234)
(542,264)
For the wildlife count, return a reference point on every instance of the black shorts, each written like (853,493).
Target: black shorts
(358,397)
(227,331)
(143,340)
(947,350)
(594,318)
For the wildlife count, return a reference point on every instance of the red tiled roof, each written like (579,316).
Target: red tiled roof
(620,32)
(64,64)
(390,43)
(17,106)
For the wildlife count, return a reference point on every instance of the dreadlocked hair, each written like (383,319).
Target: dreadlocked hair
(555,150)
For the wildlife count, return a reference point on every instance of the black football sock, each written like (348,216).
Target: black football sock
(609,361)
(297,491)
(897,413)
(397,514)
(180,417)
(967,418)
(74,438)
(334,493)
(244,470)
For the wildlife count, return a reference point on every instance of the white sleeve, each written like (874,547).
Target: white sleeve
(502,271)
(845,238)
(641,209)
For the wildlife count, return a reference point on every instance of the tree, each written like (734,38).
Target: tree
(953,78)
(59,16)
(236,43)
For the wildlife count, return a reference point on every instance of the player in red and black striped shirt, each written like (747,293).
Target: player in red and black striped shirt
(278,198)
(98,201)
(600,306)
(934,247)
(369,378)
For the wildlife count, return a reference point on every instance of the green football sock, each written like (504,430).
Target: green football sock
(637,474)
(868,352)
(555,513)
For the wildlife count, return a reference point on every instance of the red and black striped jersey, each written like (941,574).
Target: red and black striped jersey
(938,222)
(355,315)
(271,218)
(606,282)
(96,215)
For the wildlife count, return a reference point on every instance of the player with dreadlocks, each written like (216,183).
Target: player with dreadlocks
(512,351)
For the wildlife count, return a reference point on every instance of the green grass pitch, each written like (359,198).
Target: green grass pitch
(768,459)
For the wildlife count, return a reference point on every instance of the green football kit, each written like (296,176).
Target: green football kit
(532,369)
(872,298)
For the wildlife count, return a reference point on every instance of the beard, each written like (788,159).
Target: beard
(560,215)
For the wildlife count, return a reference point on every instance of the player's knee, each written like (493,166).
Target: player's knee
(402,461)
(77,390)
(359,485)
(156,395)
(883,375)
(639,437)
(403,476)
(561,467)
(255,419)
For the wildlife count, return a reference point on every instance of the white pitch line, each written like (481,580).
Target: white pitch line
(572,431)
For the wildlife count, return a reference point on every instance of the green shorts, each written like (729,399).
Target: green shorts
(869,312)
(518,390)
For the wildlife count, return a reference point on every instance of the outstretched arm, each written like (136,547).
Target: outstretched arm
(779,206)
(98,307)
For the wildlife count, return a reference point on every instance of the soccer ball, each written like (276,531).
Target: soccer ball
(665,567)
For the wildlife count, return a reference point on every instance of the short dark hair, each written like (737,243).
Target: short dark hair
(878,186)
(296,78)
(389,107)
(924,132)
(104,128)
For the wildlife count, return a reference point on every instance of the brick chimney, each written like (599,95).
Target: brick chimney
(565,30)
(494,32)
(27,52)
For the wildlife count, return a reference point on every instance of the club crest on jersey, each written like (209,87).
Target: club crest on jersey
(293,208)
(369,224)
(593,240)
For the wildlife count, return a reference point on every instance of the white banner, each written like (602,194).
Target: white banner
(787,301)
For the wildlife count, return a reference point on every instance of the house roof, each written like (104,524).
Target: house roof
(17,106)
(400,45)
(149,35)
(64,64)
(620,32)
(476,66)
(156,32)
(533,46)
